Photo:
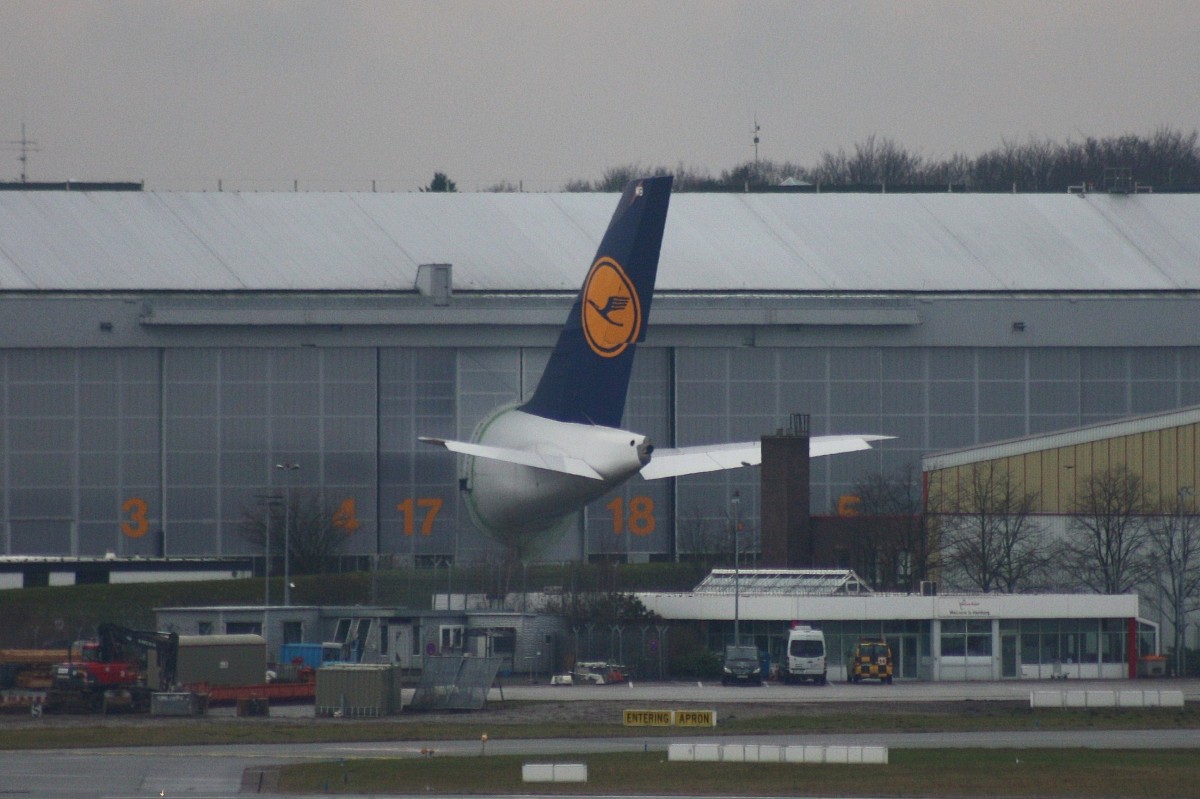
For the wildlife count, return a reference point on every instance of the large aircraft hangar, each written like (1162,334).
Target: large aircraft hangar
(168,359)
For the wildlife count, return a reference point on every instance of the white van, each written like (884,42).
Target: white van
(805,658)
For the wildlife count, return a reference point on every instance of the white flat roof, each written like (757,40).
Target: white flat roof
(884,607)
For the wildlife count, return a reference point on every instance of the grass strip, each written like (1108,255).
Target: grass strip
(982,773)
(27,733)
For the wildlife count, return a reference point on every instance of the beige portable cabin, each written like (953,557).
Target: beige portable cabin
(217,660)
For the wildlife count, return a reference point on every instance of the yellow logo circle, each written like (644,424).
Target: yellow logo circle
(611,312)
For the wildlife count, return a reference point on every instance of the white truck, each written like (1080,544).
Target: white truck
(805,658)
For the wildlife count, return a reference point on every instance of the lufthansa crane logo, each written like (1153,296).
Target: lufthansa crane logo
(611,312)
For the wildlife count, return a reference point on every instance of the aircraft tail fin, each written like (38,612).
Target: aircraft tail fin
(587,376)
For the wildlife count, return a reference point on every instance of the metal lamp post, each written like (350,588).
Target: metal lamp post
(287,533)
(736,501)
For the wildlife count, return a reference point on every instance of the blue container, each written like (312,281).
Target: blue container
(308,655)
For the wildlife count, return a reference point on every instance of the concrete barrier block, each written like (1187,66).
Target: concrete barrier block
(1150,698)
(1170,698)
(770,753)
(1130,698)
(752,752)
(875,755)
(794,754)
(854,755)
(814,754)
(1075,699)
(733,753)
(837,754)
(537,772)
(1046,699)
(709,753)
(681,752)
(1101,699)
(570,772)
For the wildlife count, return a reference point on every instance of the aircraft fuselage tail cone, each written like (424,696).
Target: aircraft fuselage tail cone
(529,468)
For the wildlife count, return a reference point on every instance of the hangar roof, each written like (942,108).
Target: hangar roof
(150,241)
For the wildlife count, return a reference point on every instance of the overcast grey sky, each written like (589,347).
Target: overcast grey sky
(336,94)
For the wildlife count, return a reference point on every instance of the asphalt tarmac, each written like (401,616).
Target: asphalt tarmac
(204,772)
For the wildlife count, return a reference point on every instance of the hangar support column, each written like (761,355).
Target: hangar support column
(785,524)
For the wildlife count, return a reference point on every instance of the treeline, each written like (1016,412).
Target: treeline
(1166,160)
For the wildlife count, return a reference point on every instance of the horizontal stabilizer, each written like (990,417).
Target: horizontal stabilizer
(695,460)
(538,460)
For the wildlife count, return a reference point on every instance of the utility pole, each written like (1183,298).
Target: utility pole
(287,533)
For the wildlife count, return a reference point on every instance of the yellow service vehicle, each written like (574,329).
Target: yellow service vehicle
(871,660)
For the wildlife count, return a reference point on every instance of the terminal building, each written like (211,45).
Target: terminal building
(161,354)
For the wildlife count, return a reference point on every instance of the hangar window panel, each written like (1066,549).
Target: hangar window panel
(192,503)
(191,468)
(37,536)
(349,434)
(190,538)
(246,468)
(950,432)
(904,397)
(100,503)
(296,434)
(1102,363)
(140,399)
(141,469)
(1053,397)
(1105,399)
(46,435)
(42,469)
(26,400)
(533,364)
(245,433)
(245,365)
(952,364)
(41,366)
(350,399)
(1001,397)
(701,364)
(846,399)
(754,399)
(753,364)
(190,365)
(894,460)
(191,399)
(1053,364)
(851,363)
(1189,394)
(296,365)
(1152,396)
(39,502)
(810,398)
(1154,364)
(246,399)
(953,398)
(98,399)
(289,401)
(1189,363)
(192,434)
(349,469)
(349,365)
(99,469)
(998,428)
(1049,424)
(96,539)
(902,364)
(1001,364)
(807,363)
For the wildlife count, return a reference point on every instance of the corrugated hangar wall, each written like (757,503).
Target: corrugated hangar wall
(1161,449)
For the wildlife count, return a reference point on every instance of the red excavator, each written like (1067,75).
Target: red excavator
(109,671)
